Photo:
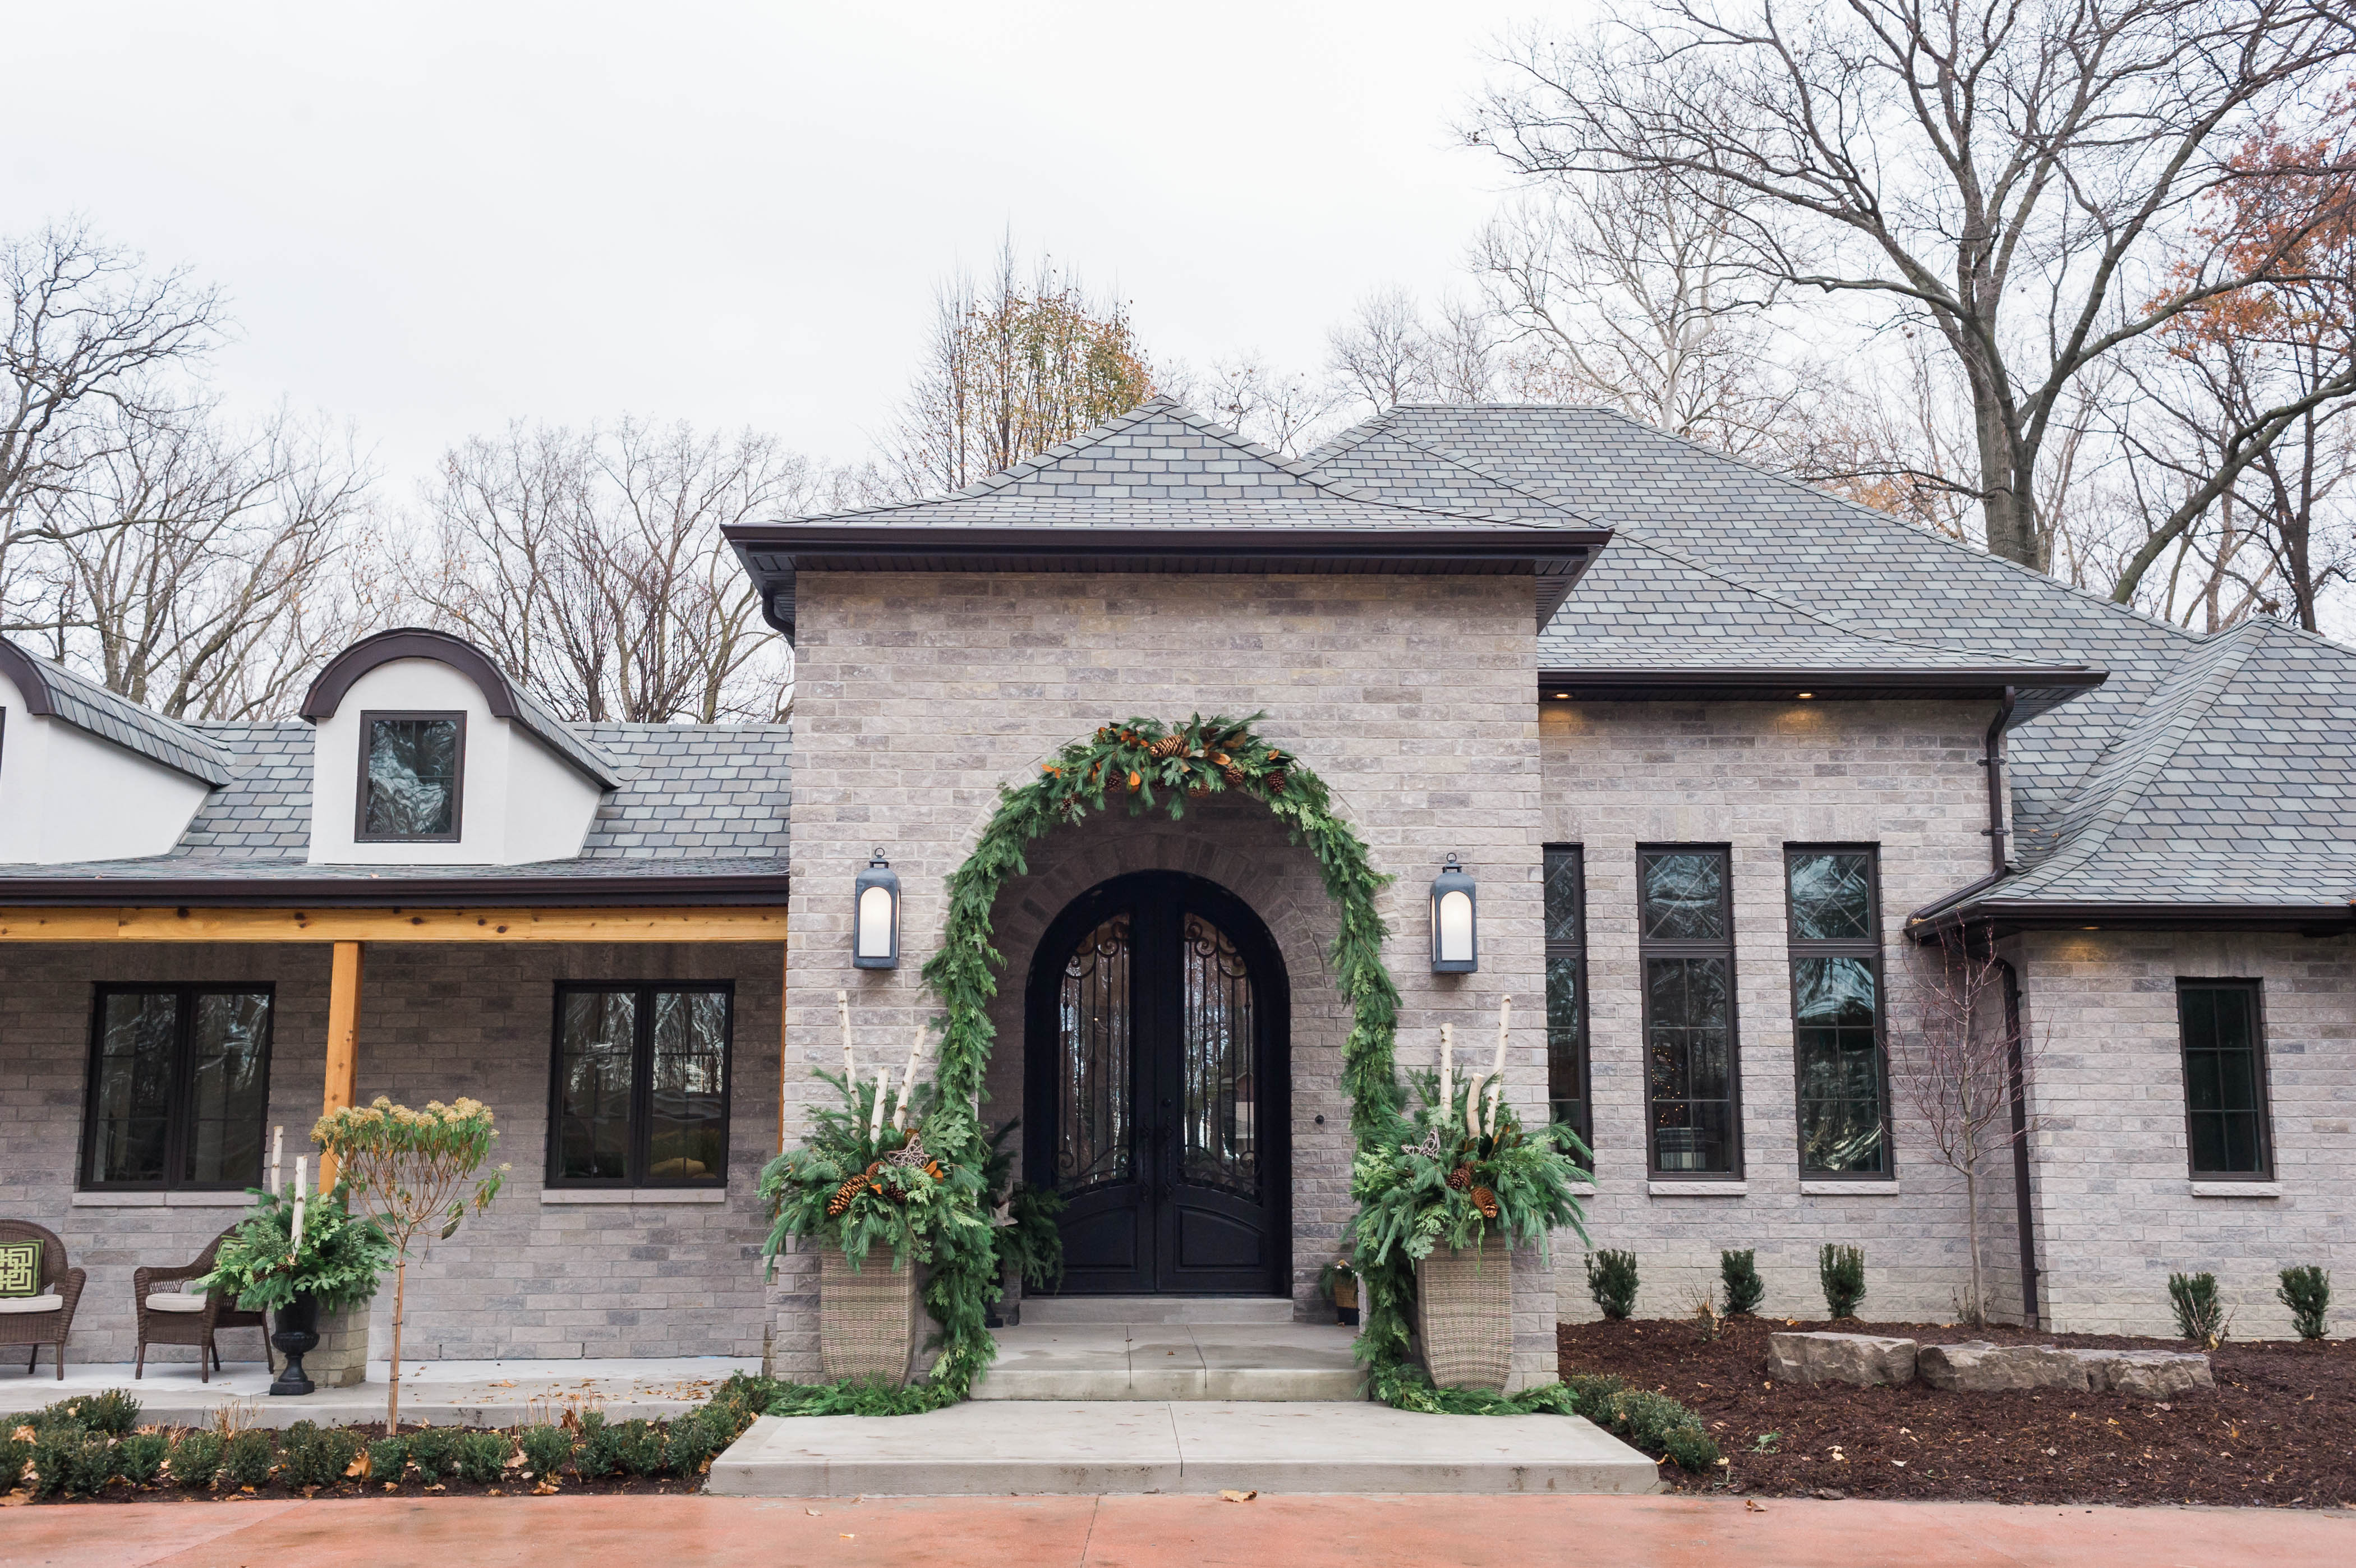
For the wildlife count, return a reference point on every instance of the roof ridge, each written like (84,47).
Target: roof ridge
(1349,440)
(2176,711)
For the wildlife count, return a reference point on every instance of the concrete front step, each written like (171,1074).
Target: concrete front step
(1172,1361)
(1059,1310)
(1122,1446)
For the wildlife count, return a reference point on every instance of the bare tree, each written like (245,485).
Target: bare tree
(1620,290)
(201,573)
(95,349)
(2010,175)
(1957,1069)
(591,563)
(1381,355)
(1286,412)
(1010,368)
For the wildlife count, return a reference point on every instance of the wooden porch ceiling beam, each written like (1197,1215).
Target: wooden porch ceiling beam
(724,923)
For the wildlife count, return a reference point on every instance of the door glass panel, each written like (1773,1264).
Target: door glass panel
(1222,1147)
(1092,1087)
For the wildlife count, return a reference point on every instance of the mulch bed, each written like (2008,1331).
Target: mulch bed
(2279,1429)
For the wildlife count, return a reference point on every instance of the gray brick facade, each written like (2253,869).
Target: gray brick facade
(921,694)
(439,1020)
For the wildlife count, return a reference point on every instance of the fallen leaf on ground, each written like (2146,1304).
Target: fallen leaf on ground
(1752,1506)
(1227,1495)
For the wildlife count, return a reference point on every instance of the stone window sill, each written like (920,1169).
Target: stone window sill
(1697,1189)
(1849,1189)
(2236,1190)
(634,1194)
(163,1201)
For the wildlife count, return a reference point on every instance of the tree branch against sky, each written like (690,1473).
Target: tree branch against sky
(2013,175)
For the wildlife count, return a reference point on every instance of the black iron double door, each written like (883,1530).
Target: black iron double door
(1156,1045)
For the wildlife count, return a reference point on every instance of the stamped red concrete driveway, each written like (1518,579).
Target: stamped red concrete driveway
(1155,1531)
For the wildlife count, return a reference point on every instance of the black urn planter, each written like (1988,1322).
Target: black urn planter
(297,1337)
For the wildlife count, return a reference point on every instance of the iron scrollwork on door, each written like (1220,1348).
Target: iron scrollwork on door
(1092,1109)
(1220,1031)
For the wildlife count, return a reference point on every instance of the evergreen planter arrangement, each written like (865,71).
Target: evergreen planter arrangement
(1443,1195)
(301,1257)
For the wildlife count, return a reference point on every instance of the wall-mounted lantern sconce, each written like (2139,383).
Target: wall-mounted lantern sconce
(875,921)
(1455,929)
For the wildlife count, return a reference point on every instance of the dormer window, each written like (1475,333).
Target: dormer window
(411,776)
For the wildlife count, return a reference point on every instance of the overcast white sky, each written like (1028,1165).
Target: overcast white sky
(432,218)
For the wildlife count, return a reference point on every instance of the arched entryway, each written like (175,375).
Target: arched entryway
(1157,1042)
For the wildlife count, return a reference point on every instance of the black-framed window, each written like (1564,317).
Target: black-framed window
(2223,1025)
(1838,1042)
(179,1087)
(641,1091)
(1566,990)
(413,778)
(1685,943)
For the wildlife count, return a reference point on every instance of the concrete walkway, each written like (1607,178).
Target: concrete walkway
(1166,1533)
(1172,1361)
(984,1449)
(445,1393)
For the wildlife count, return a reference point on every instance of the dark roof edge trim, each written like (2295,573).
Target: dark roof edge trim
(1462,542)
(423,893)
(25,674)
(2030,914)
(1630,685)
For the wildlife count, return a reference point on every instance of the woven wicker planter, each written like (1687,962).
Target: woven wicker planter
(1465,1308)
(869,1319)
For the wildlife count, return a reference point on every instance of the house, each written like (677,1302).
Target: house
(1727,761)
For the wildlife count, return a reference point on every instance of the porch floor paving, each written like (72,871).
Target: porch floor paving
(443,1393)
(1112,1446)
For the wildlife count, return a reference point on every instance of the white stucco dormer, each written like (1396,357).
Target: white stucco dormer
(424,751)
(88,776)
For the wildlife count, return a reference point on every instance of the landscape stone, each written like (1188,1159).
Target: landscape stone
(2146,1374)
(1863,1359)
(1977,1366)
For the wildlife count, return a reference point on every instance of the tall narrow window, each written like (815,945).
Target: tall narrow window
(411,777)
(1685,939)
(1566,993)
(2224,1078)
(1836,1019)
(180,1086)
(642,1092)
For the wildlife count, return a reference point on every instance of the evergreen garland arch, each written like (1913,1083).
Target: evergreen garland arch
(1164,767)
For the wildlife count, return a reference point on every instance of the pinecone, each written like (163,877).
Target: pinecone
(1486,1201)
(1168,746)
(1234,775)
(1276,783)
(1197,789)
(1461,1177)
(842,1197)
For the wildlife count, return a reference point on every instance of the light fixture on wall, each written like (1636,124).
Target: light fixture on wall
(875,915)
(1455,922)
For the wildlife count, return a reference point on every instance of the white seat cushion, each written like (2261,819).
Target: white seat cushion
(174,1301)
(52,1302)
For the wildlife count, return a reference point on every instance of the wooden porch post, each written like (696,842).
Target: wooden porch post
(342,1041)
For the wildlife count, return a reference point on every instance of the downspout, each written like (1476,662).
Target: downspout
(1994,763)
(2024,1220)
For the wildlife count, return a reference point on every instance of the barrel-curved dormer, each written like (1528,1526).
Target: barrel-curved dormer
(425,752)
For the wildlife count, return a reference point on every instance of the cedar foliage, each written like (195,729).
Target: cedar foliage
(1744,1289)
(1612,1281)
(2307,1291)
(1841,1270)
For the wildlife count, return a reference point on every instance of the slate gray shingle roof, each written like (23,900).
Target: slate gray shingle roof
(89,706)
(2202,770)
(708,800)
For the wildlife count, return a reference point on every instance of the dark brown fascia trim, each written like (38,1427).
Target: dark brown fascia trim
(1825,685)
(25,676)
(389,893)
(327,688)
(801,545)
(2028,915)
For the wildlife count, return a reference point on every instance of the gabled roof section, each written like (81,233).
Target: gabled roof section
(1163,490)
(507,697)
(2235,786)
(51,691)
(1650,620)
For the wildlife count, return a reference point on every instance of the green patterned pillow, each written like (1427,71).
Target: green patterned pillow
(21,1268)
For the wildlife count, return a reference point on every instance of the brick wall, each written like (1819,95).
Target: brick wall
(2116,1210)
(437,1021)
(1756,776)
(921,694)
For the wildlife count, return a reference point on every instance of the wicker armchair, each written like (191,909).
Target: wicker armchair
(158,1327)
(51,1327)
